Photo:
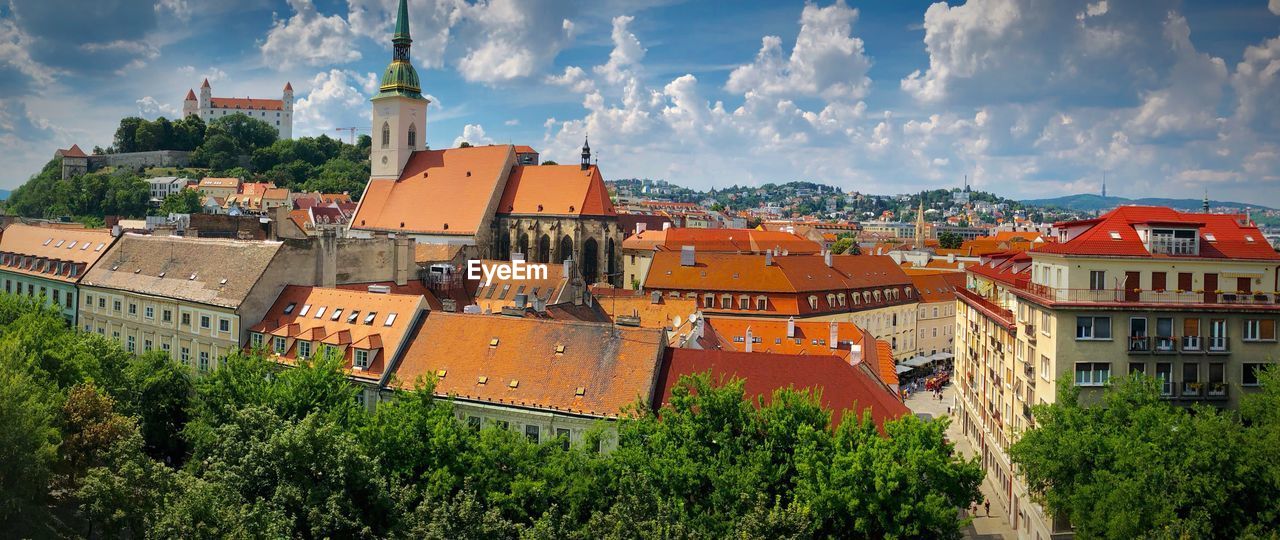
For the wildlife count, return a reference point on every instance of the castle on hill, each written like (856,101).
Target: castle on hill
(277,113)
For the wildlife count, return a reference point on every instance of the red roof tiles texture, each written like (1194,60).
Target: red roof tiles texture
(1231,237)
(470,176)
(556,190)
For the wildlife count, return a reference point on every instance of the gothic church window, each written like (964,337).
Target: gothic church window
(413,136)
(386,135)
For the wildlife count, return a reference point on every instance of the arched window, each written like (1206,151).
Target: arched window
(386,135)
(813,302)
(413,136)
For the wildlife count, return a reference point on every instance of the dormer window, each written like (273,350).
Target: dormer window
(1173,242)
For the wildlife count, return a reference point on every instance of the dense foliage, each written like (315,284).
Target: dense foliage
(229,146)
(99,443)
(1135,466)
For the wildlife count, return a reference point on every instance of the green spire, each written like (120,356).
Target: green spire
(400,79)
(402,22)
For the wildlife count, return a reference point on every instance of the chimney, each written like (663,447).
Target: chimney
(522,300)
(826,257)
(687,257)
(768,258)
(750,340)
(666,225)
(327,258)
(448,305)
(951,258)
(403,259)
(791,327)
(568,268)
(855,354)
(640,227)
(655,297)
(834,341)
(539,305)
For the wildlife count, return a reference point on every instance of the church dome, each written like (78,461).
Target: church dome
(400,78)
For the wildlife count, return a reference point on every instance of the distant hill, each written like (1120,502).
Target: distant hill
(1089,202)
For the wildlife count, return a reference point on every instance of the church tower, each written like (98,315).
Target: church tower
(920,243)
(586,153)
(399,110)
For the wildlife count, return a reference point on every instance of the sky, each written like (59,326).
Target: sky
(1028,98)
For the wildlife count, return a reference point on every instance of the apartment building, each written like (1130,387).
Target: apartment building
(49,262)
(1187,298)
(869,291)
(935,314)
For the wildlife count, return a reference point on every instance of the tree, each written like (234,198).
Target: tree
(549,162)
(217,152)
(126,134)
(247,134)
(188,133)
(464,144)
(185,201)
(159,392)
(842,245)
(950,240)
(28,443)
(1135,466)
(121,497)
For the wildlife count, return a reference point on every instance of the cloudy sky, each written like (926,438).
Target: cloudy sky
(1028,98)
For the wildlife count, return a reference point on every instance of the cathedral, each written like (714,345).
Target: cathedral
(492,202)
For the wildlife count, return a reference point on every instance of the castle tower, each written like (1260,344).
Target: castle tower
(399,110)
(206,101)
(190,106)
(286,124)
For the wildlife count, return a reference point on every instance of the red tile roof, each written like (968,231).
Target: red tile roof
(247,104)
(1231,234)
(74,151)
(523,149)
(938,286)
(738,241)
(843,387)
(556,190)
(788,274)
(813,338)
(191,95)
(288,86)
(311,318)
(646,240)
(471,177)
(513,362)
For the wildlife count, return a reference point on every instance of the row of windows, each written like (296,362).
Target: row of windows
(833,300)
(149,313)
(386,135)
(533,432)
(1099,328)
(131,345)
(280,345)
(56,298)
(1209,381)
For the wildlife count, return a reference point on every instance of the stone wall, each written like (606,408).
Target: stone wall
(134,160)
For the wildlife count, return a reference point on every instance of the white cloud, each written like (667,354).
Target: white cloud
(179,8)
(150,108)
(1186,107)
(1274,6)
(473,134)
(506,40)
(575,79)
(1257,83)
(337,98)
(15,58)
(430,23)
(309,38)
(827,59)
(626,52)
(512,122)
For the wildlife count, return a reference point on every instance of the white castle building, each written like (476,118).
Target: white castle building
(275,112)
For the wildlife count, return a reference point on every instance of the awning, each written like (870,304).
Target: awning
(903,369)
(915,361)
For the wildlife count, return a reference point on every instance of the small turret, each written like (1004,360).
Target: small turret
(190,106)
(586,153)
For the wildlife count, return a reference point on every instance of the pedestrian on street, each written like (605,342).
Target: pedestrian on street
(986,505)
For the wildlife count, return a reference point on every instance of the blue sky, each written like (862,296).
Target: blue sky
(1028,98)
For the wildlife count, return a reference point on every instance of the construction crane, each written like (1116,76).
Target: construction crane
(352,130)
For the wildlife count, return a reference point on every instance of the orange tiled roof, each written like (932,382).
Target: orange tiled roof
(938,286)
(25,247)
(247,104)
(729,333)
(431,253)
(843,387)
(278,194)
(663,314)
(212,182)
(787,274)
(311,317)
(513,362)
(502,293)
(738,241)
(470,176)
(523,149)
(556,190)
(645,240)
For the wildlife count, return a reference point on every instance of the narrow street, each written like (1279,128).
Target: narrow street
(983,527)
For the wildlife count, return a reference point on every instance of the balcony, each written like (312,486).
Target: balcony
(1139,296)
(1139,344)
(1192,389)
(1192,344)
(1164,344)
(1029,371)
(1216,390)
(1031,333)
(1218,345)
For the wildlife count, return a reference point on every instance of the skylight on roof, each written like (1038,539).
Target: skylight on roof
(84,247)
(46,242)
(319,312)
(368,319)
(337,314)
(1115,235)
(59,244)
(305,309)
(355,314)
(1210,237)
(391,319)
(289,308)
(73,245)
(100,246)
(1248,238)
